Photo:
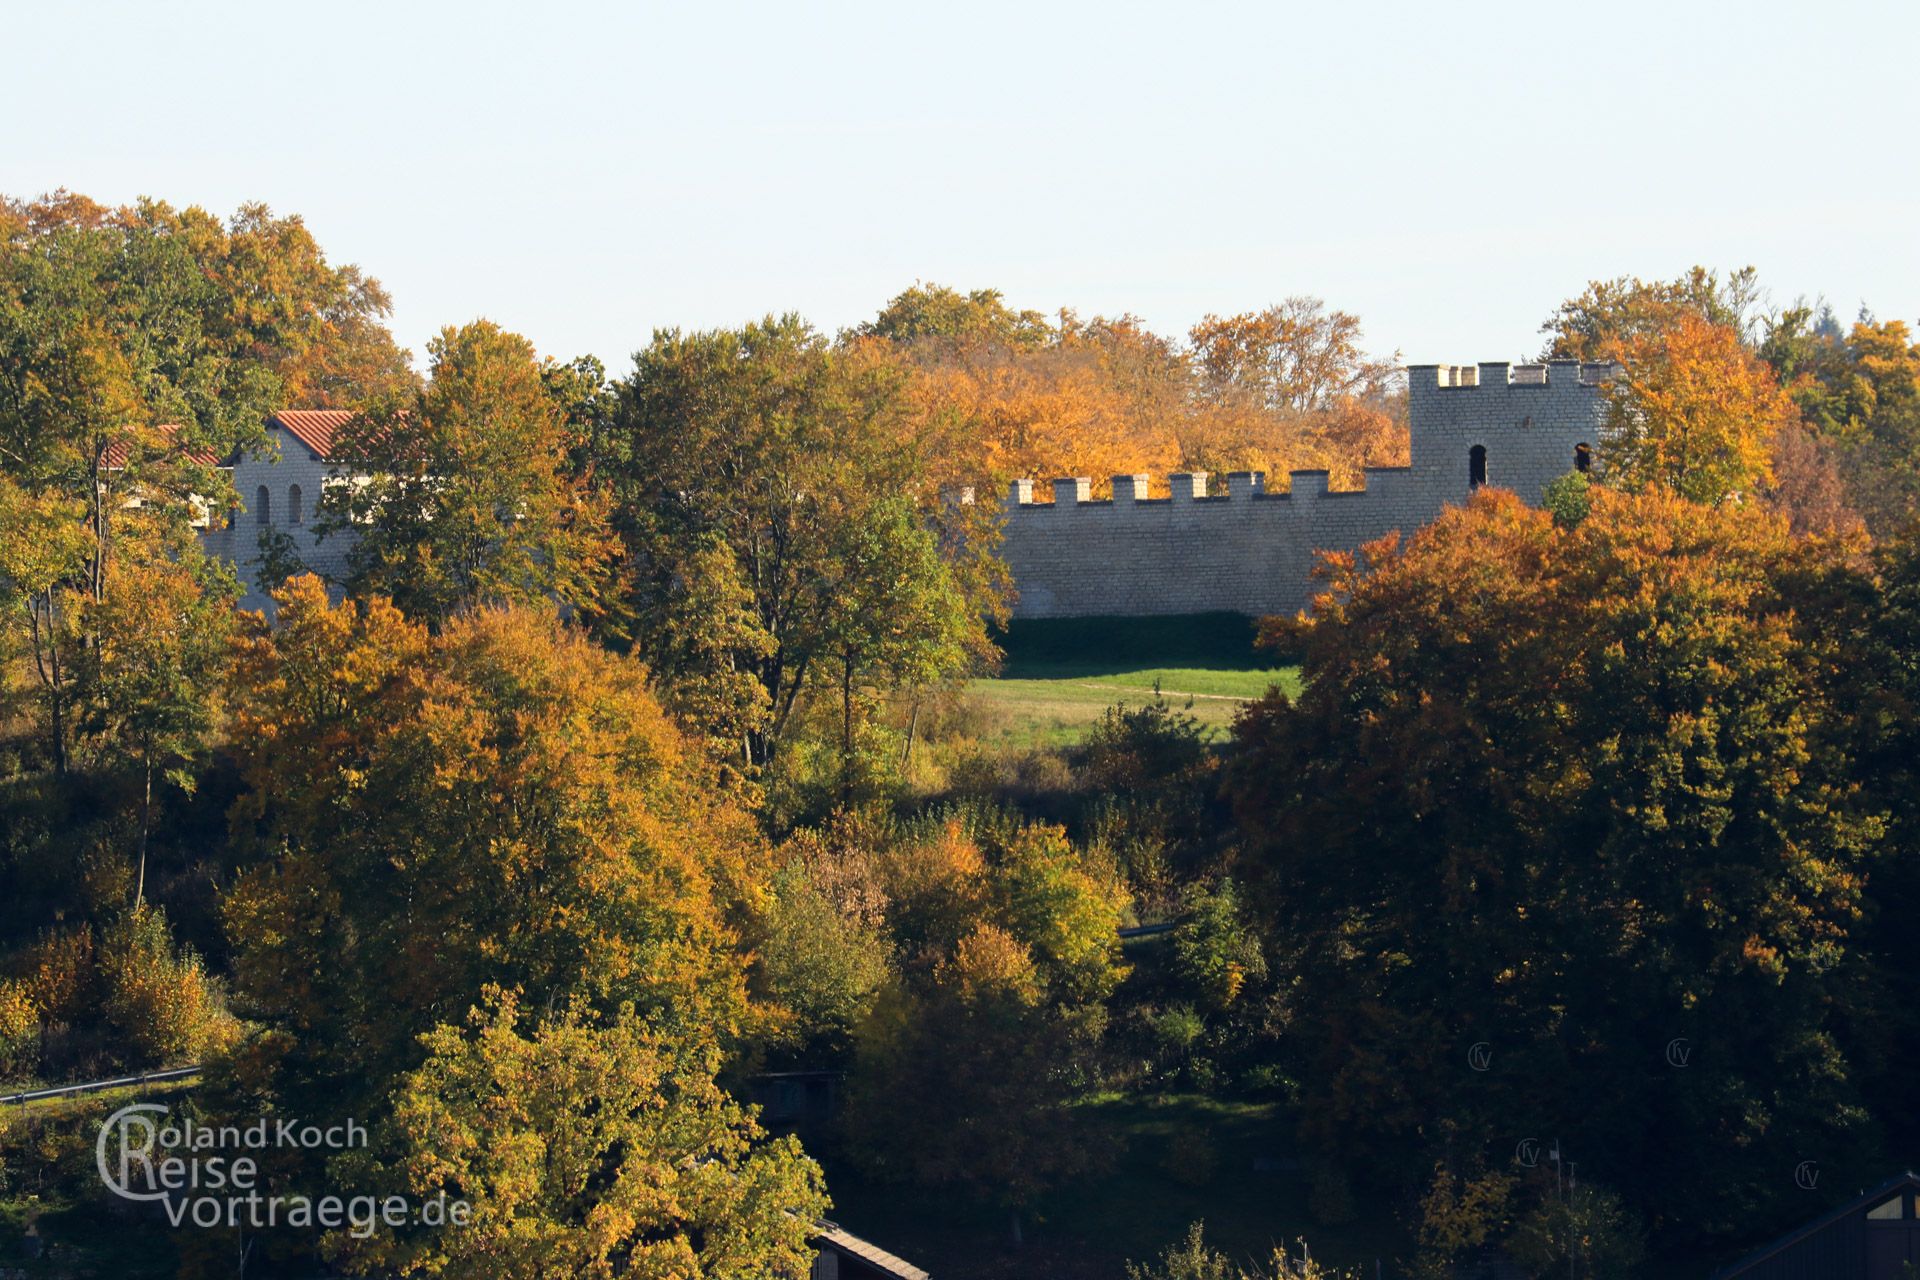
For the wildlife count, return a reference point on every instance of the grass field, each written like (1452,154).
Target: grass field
(1058,708)
(1060,675)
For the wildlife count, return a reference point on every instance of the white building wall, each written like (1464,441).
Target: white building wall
(286,465)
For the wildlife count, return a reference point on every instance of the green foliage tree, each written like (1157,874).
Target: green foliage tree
(1568,498)
(1216,953)
(1860,393)
(461,494)
(818,963)
(945,315)
(1612,315)
(1155,779)
(802,463)
(1870,614)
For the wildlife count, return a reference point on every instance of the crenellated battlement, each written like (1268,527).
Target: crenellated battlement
(1495,374)
(1229,543)
(1183,488)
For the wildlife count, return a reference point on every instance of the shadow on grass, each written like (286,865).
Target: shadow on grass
(1053,648)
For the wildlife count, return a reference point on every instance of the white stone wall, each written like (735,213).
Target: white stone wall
(1249,551)
(288,464)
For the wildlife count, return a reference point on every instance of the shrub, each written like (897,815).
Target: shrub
(158,998)
(19,1030)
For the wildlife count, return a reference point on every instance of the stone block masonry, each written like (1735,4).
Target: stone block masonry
(1245,550)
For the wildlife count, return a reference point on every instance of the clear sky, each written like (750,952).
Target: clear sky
(584,173)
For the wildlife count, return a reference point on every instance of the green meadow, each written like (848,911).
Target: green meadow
(1061,675)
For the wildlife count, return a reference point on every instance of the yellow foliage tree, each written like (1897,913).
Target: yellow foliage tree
(1696,413)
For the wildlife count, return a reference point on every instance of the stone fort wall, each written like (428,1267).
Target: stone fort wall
(1250,551)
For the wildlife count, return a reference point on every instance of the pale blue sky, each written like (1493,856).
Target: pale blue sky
(586,172)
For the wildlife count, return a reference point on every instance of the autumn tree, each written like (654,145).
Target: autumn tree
(1000,414)
(319,328)
(119,385)
(1294,356)
(1859,391)
(461,494)
(140,346)
(1612,316)
(938,312)
(156,667)
(1569,794)
(1291,387)
(122,992)
(1695,413)
(784,480)
(500,802)
(818,963)
(578,1145)
(1009,395)
(965,1068)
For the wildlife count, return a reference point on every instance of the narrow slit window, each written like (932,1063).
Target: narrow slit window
(263,506)
(1583,457)
(293,504)
(1477,465)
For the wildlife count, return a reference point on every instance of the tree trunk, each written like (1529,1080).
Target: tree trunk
(46,661)
(1018,1239)
(146,825)
(913,723)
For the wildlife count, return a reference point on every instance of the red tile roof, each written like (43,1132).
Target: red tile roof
(314,428)
(117,450)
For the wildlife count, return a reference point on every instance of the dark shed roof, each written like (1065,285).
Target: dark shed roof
(1814,1249)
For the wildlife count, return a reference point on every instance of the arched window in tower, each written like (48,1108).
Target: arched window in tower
(293,504)
(262,506)
(1477,465)
(1583,457)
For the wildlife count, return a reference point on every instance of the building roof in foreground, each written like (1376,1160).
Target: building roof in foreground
(1818,1225)
(831,1234)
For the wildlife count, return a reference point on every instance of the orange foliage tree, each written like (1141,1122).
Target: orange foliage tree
(501,802)
(1009,395)
(1570,792)
(1696,413)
